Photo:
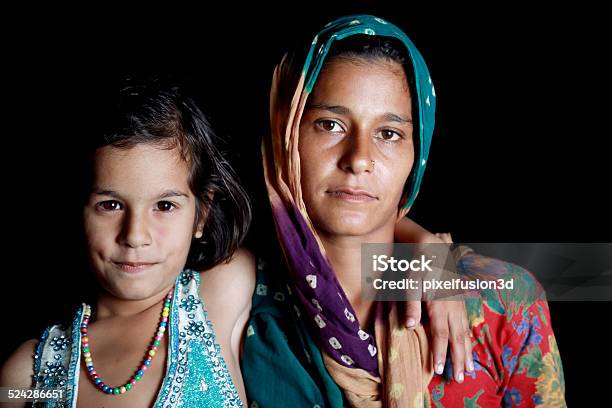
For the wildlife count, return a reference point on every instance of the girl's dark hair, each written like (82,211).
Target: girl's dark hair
(151,113)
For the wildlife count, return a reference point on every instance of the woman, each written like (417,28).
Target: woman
(350,140)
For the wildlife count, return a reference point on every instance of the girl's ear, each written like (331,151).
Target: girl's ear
(199,231)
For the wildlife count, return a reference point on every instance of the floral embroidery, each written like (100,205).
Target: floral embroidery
(190,303)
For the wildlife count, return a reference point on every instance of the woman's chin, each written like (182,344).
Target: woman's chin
(353,226)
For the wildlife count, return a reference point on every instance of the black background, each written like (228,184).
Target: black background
(520,152)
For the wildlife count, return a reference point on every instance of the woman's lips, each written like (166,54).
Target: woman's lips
(132,267)
(352,195)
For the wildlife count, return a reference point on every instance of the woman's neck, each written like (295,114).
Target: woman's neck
(344,254)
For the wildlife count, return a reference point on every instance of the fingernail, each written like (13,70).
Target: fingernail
(411,322)
(439,368)
(460,377)
(471,366)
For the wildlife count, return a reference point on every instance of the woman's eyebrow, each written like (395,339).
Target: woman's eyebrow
(392,117)
(338,109)
(343,110)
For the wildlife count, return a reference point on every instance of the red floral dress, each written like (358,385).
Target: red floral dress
(516,359)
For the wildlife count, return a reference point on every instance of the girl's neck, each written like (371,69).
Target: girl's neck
(109,306)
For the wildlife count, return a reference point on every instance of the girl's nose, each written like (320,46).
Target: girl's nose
(135,233)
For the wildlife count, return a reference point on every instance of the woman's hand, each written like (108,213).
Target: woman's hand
(448,318)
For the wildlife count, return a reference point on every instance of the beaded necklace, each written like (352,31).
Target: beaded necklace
(149,354)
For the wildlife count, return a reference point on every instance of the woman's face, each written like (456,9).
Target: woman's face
(139,219)
(355,146)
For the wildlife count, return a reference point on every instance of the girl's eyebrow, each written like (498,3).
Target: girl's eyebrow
(165,194)
(172,193)
(110,193)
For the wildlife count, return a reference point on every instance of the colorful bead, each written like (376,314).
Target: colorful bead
(86,351)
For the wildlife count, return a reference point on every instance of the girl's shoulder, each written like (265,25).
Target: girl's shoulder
(235,277)
(18,369)
(229,286)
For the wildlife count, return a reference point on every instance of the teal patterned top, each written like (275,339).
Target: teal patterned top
(196,374)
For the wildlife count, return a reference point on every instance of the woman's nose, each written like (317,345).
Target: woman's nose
(357,158)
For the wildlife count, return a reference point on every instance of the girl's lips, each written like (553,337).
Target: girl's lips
(134,266)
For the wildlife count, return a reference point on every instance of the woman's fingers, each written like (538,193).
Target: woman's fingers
(469,361)
(449,324)
(445,236)
(440,335)
(457,340)
(413,313)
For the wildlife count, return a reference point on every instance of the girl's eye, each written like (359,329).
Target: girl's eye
(110,205)
(389,135)
(165,206)
(330,126)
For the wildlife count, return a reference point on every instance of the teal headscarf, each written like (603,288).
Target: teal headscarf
(426,95)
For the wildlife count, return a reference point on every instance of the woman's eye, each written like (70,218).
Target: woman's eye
(330,126)
(110,205)
(389,135)
(165,206)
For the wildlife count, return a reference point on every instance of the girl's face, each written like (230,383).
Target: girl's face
(355,146)
(139,219)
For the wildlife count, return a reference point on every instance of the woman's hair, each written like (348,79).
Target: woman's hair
(150,113)
(369,48)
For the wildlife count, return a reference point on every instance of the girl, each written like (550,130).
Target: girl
(162,203)
(351,131)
